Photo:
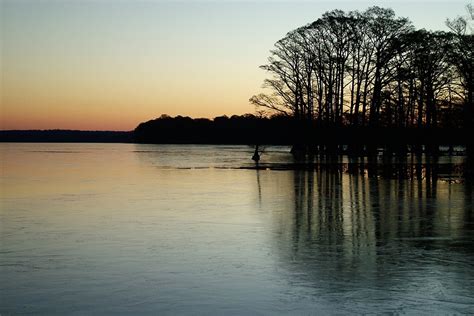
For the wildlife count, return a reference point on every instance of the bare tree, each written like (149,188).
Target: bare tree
(462,57)
(370,68)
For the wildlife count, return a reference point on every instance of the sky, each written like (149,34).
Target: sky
(109,65)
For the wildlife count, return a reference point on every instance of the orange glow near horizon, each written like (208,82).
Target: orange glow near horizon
(118,111)
(111,99)
(121,113)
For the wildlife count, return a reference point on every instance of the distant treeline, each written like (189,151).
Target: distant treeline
(284,130)
(373,69)
(66,136)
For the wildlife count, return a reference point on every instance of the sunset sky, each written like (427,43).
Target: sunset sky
(109,65)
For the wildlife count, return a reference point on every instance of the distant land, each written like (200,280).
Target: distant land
(65,136)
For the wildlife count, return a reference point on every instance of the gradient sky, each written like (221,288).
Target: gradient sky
(109,65)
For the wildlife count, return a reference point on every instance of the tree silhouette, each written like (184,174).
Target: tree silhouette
(371,69)
(462,57)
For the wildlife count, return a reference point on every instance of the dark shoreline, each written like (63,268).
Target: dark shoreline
(251,130)
(272,134)
(65,136)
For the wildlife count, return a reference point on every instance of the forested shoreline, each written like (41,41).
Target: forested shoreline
(250,129)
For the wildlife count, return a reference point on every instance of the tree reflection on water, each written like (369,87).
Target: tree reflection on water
(383,231)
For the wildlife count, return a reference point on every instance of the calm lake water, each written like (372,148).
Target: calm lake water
(164,229)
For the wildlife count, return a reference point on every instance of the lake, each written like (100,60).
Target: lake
(95,229)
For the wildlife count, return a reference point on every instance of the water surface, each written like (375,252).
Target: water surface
(167,229)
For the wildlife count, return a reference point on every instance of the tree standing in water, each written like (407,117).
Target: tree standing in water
(370,70)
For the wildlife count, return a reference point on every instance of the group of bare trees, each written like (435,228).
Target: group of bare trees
(372,69)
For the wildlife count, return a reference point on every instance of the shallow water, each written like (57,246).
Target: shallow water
(166,229)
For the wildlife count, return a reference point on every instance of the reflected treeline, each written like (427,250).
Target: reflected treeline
(343,225)
(427,168)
